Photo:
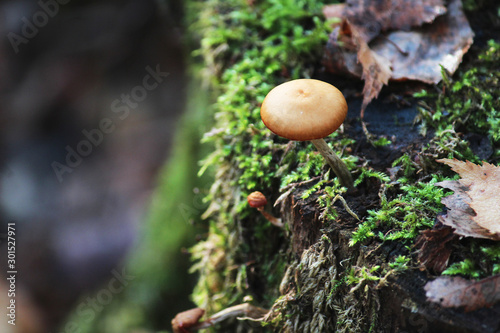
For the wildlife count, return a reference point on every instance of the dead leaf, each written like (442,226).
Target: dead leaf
(424,50)
(456,292)
(459,214)
(373,17)
(397,55)
(376,71)
(483,183)
(350,49)
(434,248)
(340,55)
(474,208)
(334,10)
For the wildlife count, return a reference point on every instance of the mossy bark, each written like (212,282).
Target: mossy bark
(317,295)
(325,270)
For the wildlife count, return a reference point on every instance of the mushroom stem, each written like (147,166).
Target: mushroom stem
(337,165)
(274,220)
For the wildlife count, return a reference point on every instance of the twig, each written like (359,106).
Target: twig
(241,311)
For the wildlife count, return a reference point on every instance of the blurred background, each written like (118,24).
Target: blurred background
(92,94)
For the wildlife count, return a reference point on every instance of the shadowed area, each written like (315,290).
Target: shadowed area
(91,93)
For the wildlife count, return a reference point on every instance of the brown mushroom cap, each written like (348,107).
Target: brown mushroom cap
(256,199)
(304,109)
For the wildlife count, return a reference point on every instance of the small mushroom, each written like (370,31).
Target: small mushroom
(308,109)
(185,321)
(190,320)
(258,200)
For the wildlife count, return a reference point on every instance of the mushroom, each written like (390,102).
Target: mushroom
(258,200)
(185,321)
(308,109)
(189,321)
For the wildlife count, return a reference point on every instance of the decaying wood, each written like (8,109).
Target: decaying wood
(400,303)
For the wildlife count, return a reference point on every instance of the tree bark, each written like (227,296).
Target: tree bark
(398,305)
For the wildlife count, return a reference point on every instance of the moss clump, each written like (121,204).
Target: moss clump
(470,100)
(405,209)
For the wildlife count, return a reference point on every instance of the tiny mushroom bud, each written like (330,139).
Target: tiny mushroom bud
(184,321)
(258,200)
(308,109)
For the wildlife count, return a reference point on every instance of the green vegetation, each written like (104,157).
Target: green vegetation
(470,102)
(400,264)
(480,259)
(412,209)
(249,49)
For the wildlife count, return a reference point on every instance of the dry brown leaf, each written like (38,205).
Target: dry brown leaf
(456,292)
(373,17)
(373,69)
(376,70)
(397,55)
(334,10)
(460,214)
(474,208)
(341,53)
(483,183)
(423,50)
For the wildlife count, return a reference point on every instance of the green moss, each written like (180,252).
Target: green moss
(250,49)
(383,141)
(400,263)
(405,209)
(478,259)
(470,101)
(467,268)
